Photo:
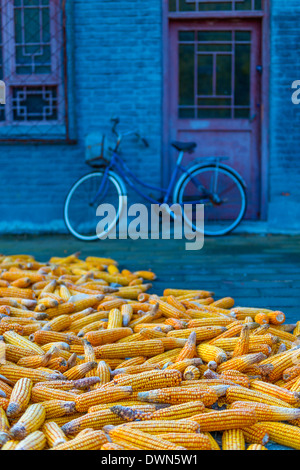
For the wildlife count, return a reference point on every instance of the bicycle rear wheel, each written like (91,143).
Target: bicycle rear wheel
(83,200)
(219,218)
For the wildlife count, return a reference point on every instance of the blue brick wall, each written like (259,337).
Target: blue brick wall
(284,177)
(118,71)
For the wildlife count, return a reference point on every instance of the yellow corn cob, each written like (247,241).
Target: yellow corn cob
(261,318)
(208,352)
(266,412)
(54,435)
(98,396)
(10,445)
(178,292)
(4,428)
(276,318)
(34,362)
(182,411)
(293,398)
(13,338)
(64,293)
(16,292)
(127,312)
(15,373)
(145,348)
(20,397)
(256,447)
(189,441)
(242,346)
(223,420)
(80,371)
(115,319)
(191,373)
(6,389)
(96,420)
(243,394)
(177,395)
(103,372)
(30,421)
(34,441)
(57,408)
(172,300)
(256,434)
(150,380)
(62,309)
(291,373)
(231,331)
(226,302)
(4,403)
(189,349)
(283,434)
(233,439)
(213,442)
(237,377)
(229,344)
(44,337)
(214,321)
(143,440)
(182,365)
(241,363)
(92,440)
(163,426)
(202,333)
(97,338)
(40,394)
(154,333)
(60,323)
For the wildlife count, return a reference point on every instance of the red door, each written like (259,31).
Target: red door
(215,74)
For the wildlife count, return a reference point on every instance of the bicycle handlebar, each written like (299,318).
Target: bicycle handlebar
(116,121)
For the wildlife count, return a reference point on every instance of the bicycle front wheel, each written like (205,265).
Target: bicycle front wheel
(227,211)
(83,200)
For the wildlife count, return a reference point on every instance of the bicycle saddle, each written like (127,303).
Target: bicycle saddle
(184,146)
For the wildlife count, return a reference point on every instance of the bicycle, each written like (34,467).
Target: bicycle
(207,181)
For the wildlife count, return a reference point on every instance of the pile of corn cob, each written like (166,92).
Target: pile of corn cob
(90,361)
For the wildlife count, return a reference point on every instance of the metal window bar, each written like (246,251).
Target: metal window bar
(32,43)
(232,3)
(196,42)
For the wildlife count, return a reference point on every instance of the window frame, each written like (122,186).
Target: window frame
(61,130)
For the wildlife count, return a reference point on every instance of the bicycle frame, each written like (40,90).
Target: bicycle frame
(129,177)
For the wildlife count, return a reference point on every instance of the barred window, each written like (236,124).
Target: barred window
(214,5)
(31,65)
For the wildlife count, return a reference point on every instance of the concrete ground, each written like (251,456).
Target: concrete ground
(258,271)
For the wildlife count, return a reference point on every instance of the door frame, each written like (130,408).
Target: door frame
(264,18)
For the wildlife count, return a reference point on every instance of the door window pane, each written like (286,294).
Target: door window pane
(214,74)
